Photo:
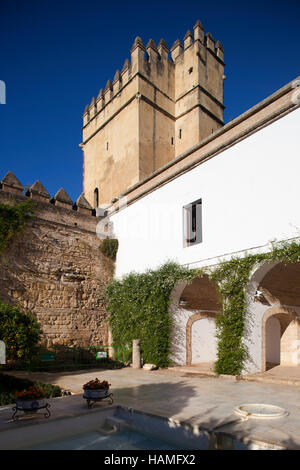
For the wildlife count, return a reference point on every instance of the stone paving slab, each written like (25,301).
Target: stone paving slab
(205,401)
(280,374)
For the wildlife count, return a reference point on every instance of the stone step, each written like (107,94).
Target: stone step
(192,370)
(270,379)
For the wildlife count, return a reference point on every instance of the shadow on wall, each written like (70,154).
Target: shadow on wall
(178,354)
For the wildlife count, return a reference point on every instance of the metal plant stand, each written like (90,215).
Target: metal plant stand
(15,409)
(91,401)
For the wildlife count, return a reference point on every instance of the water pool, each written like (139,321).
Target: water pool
(120,440)
(119,428)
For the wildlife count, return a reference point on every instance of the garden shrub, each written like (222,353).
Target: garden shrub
(10,384)
(20,331)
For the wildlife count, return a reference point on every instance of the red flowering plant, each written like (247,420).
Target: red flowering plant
(33,393)
(96,385)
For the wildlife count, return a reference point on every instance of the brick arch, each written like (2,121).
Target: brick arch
(279,312)
(197,316)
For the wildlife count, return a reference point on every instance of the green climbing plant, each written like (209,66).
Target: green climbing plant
(109,247)
(13,219)
(20,331)
(232,278)
(138,309)
(138,305)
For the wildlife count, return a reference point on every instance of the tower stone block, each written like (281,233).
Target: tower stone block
(158,106)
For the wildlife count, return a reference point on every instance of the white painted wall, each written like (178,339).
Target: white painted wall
(290,345)
(180,318)
(253,341)
(203,337)
(250,196)
(204,345)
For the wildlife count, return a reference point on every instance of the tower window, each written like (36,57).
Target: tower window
(192,223)
(172,140)
(180,133)
(106,145)
(96,198)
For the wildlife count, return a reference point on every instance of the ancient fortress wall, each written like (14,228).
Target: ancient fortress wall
(54,268)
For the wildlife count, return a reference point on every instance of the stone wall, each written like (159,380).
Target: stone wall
(55,270)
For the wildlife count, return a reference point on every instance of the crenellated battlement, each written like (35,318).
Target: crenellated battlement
(160,103)
(37,192)
(143,61)
(146,60)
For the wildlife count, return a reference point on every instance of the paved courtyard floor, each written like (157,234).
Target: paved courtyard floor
(196,399)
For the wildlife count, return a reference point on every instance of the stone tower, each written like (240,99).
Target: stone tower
(159,105)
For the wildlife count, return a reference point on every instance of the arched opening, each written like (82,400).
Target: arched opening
(273,325)
(281,285)
(273,334)
(194,308)
(280,333)
(279,290)
(201,339)
(96,198)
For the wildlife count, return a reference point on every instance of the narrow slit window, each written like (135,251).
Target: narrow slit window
(96,198)
(192,223)
(180,133)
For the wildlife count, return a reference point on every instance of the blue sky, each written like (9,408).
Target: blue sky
(56,55)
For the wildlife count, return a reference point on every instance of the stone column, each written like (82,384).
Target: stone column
(2,352)
(111,350)
(136,354)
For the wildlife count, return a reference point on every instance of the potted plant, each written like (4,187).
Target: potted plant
(30,400)
(96,389)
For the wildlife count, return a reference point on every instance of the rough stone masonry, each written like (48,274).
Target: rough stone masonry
(54,267)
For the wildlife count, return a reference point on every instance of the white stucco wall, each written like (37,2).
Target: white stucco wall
(204,344)
(250,196)
(178,348)
(253,340)
(203,337)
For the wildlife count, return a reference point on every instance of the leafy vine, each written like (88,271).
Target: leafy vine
(232,278)
(13,219)
(138,305)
